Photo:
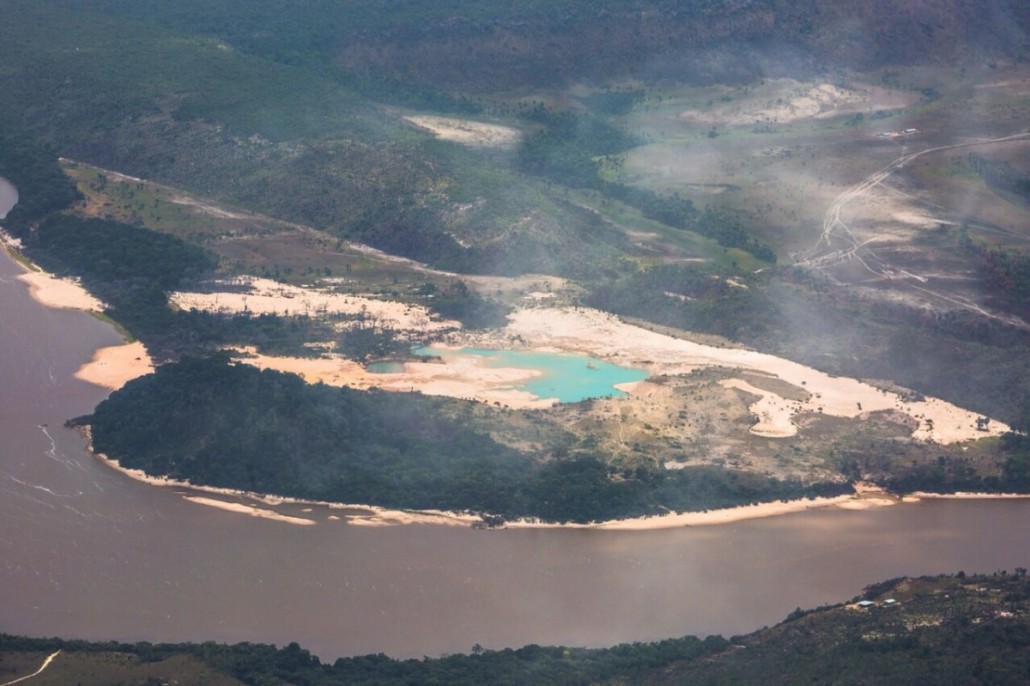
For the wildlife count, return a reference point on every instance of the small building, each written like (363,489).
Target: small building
(865,603)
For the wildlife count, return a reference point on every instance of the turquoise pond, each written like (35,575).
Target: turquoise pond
(569,378)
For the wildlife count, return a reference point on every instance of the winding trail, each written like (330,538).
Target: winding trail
(46,663)
(824,252)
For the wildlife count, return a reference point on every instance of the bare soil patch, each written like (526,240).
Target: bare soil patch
(468,132)
(781,101)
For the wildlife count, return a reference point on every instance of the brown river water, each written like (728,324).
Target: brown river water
(86,552)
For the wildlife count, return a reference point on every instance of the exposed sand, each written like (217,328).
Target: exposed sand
(365,515)
(921,495)
(866,496)
(264,296)
(593,332)
(248,510)
(773,412)
(468,132)
(602,335)
(461,377)
(111,367)
(54,291)
(359,515)
(116,365)
(786,100)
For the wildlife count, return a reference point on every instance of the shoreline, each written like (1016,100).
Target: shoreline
(49,289)
(865,497)
(113,366)
(110,367)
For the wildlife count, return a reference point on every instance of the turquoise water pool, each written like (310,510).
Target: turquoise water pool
(569,378)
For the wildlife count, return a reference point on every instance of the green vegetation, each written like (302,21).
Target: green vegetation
(230,425)
(42,186)
(133,269)
(253,107)
(1001,176)
(568,148)
(471,309)
(691,298)
(299,114)
(109,254)
(1006,274)
(958,629)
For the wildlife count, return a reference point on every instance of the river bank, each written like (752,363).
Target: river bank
(866,496)
(111,367)
(570,329)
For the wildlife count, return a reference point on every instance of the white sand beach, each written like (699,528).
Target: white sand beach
(114,366)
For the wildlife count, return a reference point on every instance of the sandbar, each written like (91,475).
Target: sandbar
(114,366)
(56,292)
(250,510)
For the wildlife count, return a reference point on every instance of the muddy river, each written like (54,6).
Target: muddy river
(86,552)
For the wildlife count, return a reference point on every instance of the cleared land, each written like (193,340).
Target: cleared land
(864,183)
(805,164)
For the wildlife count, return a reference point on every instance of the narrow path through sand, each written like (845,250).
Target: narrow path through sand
(822,254)
(46,663)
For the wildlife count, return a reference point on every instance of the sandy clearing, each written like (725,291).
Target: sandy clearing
(773,412)
(265,296)
(594,332)
(468,132)
(923,221)
(582,330)
(53,291)
(787,100)
(460,377)
(114,366)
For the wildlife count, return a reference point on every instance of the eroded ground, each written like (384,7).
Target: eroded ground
(867,182)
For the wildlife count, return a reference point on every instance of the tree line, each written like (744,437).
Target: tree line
(217,423)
